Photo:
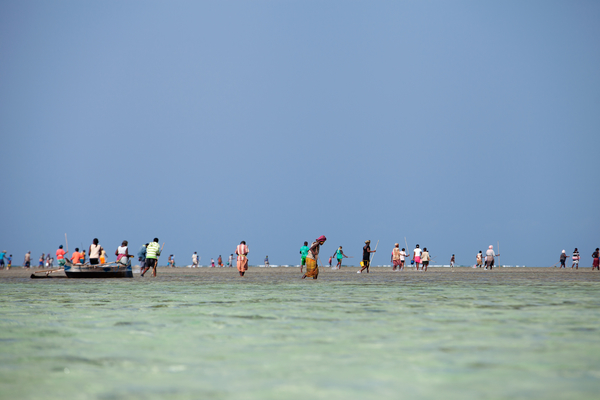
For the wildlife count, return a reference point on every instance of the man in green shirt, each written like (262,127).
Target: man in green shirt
(304,253)
(152,254)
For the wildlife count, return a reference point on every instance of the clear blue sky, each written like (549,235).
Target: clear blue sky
(453,124)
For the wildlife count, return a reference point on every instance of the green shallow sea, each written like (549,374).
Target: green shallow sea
(201,334)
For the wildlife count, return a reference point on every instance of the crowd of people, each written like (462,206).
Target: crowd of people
(149,253)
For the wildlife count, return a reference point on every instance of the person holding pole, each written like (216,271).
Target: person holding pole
(489,257)
(152,253)
(366,262)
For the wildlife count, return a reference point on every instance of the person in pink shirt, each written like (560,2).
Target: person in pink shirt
(60,256)
(242,257)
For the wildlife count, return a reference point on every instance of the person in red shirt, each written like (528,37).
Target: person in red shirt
(76,256)
(60,255)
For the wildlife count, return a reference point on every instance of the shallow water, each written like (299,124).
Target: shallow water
(198,334)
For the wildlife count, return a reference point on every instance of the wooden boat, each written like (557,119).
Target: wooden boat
(107,270)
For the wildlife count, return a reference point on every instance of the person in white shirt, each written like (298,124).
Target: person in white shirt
(195,260)
(417,256)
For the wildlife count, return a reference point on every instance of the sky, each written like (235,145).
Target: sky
(453,125)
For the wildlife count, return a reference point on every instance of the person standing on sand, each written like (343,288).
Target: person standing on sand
(403,255)
(95,250)
(242,257)
(141,255)
(395,258)
(212,262)
(220,261)
(489,257)
(312,269)
(366,262)
(2,256)
(596,257)
(195,260)
(575,259)
(27,260)
(563,259)
(479,259)
(452,261)
(152,254)
(425,259)
(60,256)
(41,261)
(339,254)
(417,256)
(330,260)
(303,253)
(9,262)
(267,265)
(230,261)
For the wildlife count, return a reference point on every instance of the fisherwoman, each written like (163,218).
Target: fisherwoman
(312,269)
(242,258)
(123,251)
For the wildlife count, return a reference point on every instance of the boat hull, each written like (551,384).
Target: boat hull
(112,270)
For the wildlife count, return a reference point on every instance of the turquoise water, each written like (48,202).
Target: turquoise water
(270,335)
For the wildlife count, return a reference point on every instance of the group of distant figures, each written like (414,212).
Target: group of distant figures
(575,259)
(149,253)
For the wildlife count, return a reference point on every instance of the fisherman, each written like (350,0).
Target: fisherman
(395,258)
(403,255)
(366,262)
(242,257)
(220,261)
(563,259)
(95,251)
(312,269)
(425,259)
(575,259)
(452,261)
(195,260)
(27,261)
(339,255)
(596,257)
(152,254)
(303,254)
(417,256)
(2,256)
(60,256)
(141,255)
(41,261)
(76,256)
(489,257)
(267,265)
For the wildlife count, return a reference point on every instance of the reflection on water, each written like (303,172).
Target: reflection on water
(198,334)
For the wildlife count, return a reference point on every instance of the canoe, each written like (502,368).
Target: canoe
(107,270)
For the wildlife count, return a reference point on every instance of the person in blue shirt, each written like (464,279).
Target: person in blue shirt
(2,256)
(142,255)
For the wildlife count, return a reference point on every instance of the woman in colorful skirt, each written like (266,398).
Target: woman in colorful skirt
(242,257)
(311,258)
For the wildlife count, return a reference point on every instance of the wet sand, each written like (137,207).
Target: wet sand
(346,274)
